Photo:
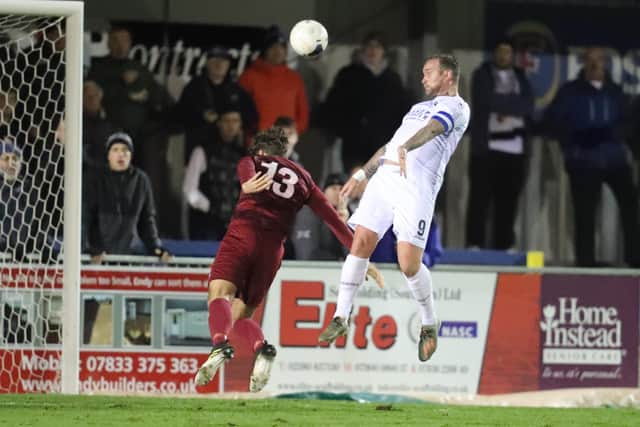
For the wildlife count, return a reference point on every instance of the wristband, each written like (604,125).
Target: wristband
(359,175)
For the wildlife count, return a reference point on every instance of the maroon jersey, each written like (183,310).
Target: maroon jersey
(276,207)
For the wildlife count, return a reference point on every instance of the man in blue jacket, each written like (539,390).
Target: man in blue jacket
(588,113)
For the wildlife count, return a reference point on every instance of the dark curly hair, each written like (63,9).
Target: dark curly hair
(272,141)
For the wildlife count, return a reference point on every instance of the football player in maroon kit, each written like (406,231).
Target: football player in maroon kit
(274,189)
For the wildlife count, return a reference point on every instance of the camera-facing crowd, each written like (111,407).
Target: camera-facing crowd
(128,118)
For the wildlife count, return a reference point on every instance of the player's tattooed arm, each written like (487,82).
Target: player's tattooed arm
(373,164)
(424,135)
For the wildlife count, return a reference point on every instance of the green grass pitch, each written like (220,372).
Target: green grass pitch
(59,410)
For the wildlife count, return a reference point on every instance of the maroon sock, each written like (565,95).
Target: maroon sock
(219,320)
(251,332)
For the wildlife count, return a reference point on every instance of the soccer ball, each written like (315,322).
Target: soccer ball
(308,38)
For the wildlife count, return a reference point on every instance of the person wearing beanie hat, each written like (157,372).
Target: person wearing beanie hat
(10,160)
(219,52)
(119,137)
(274,35)
(276,89)
(22,231)
(203,97)
(310,236)
(119,206)
(337,179)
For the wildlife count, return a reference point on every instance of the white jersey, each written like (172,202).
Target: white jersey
(407,204)
(426,165)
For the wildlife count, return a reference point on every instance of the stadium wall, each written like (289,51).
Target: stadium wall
(145,331)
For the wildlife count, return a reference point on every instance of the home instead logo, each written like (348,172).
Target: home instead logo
(581,334)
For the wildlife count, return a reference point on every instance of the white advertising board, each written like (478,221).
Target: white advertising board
(380,353)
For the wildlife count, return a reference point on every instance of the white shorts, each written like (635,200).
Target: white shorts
(391,199)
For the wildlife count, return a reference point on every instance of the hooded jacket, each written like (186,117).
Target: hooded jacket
(277,91)
(589,123)
(117,204)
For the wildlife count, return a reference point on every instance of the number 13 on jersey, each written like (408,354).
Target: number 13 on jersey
(289,179)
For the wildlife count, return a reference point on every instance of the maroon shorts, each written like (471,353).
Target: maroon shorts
(249,258)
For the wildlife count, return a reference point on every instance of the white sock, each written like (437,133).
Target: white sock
(354,270)
(420,286)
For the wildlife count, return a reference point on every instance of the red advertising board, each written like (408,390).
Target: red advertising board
(107,280)
(135,280)
(108,372)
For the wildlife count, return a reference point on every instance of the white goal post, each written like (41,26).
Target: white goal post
(72,14)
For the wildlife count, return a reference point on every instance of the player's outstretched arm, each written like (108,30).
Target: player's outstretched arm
(323,209)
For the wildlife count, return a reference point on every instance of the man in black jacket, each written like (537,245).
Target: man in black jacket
(119,209)
(501,103)
(365,103)
(203,98)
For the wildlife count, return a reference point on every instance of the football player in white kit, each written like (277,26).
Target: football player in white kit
(405,176)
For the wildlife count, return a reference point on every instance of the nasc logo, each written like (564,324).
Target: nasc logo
(452,329)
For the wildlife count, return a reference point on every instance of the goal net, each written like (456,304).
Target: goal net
(40,80)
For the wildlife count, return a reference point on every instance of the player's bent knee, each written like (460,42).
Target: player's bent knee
(240,310)
(221,289)
(409,258)
(364,242)
(409,265)
(410,270)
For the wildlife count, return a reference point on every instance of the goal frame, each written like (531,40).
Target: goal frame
(73,11)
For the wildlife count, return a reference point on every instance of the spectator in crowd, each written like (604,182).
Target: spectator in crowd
(35,79)
(119,211)
(43,161)
(288,125)
(21,233)
(365,103)
(588,114)
(95,126)
(133,100)
(136,103)
(201,100)
(501,104)
(211,186)
(311,238)
(276,89)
